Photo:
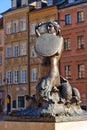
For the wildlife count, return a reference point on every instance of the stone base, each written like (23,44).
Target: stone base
(75,125)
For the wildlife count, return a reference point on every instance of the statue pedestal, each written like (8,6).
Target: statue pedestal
(78,125)
(75,125)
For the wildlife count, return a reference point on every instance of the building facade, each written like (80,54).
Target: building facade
(74,58)
(16,56)
(23,67)
(2,92)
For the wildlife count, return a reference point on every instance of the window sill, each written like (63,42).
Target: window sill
(68,24)
(16,57)
(67,50)
(80,78)
(69,79)
(34,81)
(78,22)
(80,48)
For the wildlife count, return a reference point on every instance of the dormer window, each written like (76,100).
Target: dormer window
(38,4)
(14,3)
(49,2)
(24,2)
(71,1)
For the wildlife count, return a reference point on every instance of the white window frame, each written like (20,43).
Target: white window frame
(14,3)
(8,52)
(32,28)
(16,77)
(16,51)
(23,49)
(8,77)
(38,4)
(24,2)
(49,2)
(22,24)
(0,38)
(33,53)
(34,74)
(8,28)
(23,76)
(80,41)
(15,26)
(80,16)
(0,59)
(81,70)
(0,79)
(67,44)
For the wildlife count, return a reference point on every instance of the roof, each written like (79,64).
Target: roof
(66,4)
(59,2)
(30,4)
(12,9)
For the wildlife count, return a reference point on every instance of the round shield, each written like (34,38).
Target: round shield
(48,45)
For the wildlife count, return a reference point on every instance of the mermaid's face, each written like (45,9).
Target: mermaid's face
(51,29)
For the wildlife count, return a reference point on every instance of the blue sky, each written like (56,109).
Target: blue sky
(4,5)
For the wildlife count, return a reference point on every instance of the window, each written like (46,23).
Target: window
(23,49)
(67,44)
(14,3)
(21,101)
(32,29)
(67,19)
(8,28)
(22,25)
(0,60)
(33,53)
(24,2)
(0,79)
(23,76)
(80,42)
(9,77)
(39,4)
(81,71)
(45,61)
(15,26)
(16,76)
(80,16)
(49,2)
(68,71)
(15,51)
(14,104)
(34,74)
(8,52)
(71,1)
(0,39)
(33,39)
(43,28)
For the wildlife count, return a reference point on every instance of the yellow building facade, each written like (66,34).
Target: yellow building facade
(23,67)
(16,57)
